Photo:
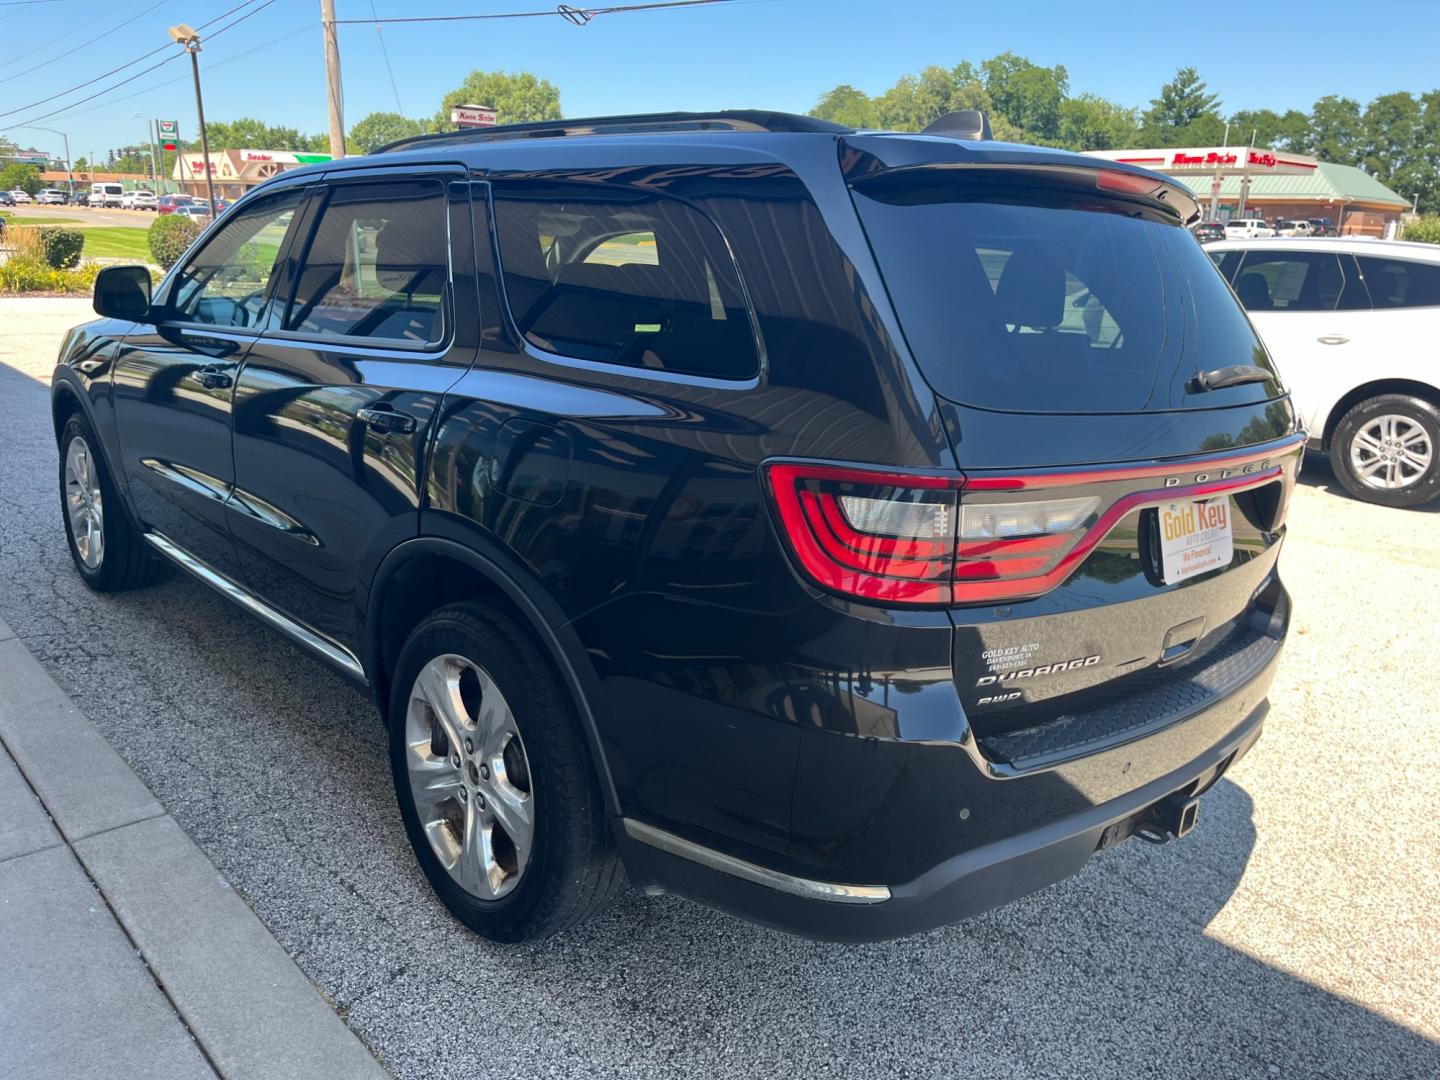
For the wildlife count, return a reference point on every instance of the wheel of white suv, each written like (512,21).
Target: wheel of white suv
(106,548)
(494,780)
(1386,450)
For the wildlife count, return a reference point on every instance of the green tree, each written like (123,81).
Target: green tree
(1337,130)
(1267,128)
(517,97)
(1392,127)
(379,128)
(1185,113)
(1026,94)
(846,105)
(1090,122)
(248,133)
(20,177)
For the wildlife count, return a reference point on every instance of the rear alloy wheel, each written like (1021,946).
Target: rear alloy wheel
(1386,450)
(469,777)
(500,799)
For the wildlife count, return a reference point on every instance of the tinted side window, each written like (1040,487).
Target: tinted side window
(377,265)
(1225,262)
(622,277)
(1396,283)
(225,283)
(1296,281)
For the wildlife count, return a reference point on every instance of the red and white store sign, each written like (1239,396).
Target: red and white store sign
(1230,160)
(469,116)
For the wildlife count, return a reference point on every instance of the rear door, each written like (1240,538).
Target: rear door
(1306,306)
(334,404)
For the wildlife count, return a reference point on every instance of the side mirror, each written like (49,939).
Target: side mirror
(123,292)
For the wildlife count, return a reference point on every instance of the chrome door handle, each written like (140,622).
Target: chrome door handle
(1332,339)
(387,420)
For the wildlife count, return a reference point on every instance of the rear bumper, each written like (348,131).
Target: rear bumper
(974,881)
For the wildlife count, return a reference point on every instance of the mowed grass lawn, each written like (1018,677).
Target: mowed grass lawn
(113,242)
(101,241)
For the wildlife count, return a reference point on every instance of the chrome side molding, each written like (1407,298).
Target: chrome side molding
(759,875)
(317,643)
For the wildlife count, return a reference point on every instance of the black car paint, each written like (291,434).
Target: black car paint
(726,698)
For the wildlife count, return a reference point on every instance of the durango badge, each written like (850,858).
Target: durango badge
(1043,669)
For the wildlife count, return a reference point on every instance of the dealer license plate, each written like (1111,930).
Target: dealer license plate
(1194,537)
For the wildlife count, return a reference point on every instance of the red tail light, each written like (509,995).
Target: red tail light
(924,539)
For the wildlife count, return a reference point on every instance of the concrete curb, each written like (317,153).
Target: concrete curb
(245,1002)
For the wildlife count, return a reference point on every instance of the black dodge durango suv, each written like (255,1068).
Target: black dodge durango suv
(849,530)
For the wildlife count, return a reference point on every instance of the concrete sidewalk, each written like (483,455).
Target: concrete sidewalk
(124,952)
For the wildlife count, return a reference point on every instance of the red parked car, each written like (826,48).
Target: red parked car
(168,203)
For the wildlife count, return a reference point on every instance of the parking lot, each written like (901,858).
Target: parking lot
(1293,934)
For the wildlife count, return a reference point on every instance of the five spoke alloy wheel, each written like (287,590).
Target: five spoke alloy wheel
(469,776)
(84,503)
(1391,452)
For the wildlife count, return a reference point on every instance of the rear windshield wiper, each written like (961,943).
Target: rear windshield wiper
(1237,375)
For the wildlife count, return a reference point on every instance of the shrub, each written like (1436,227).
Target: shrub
(29,275)
(169,237)
(62,247)
(1425,230)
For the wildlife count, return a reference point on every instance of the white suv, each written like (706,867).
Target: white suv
(1354,326)
(1247,229)
(140,199)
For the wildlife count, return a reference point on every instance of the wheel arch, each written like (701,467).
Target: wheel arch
(421,575)
(1413,387)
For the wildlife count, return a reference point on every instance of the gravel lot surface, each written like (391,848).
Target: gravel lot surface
(1293,934)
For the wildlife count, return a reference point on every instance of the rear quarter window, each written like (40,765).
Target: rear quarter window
(634,279)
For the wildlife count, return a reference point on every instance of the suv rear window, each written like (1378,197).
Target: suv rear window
(622,277)
(1020,297)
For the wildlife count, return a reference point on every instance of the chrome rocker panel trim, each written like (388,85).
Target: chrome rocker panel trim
(759,875)
(317,643)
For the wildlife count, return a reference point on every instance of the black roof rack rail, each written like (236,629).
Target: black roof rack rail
(640,123)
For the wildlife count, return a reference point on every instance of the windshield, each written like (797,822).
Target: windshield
(1062,302)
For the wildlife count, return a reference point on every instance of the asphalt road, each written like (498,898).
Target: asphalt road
(1293,934)
(39,215)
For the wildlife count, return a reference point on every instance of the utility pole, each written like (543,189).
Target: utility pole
(156,157)
(185,36)
(334,91)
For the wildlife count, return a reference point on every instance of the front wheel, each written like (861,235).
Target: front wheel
(1386,450)
(495,784)
(106,548)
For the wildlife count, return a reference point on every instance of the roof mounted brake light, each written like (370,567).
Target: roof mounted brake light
(1127,183)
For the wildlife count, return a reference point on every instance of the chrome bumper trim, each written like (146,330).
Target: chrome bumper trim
(759,875)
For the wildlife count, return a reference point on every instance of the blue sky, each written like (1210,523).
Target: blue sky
(779,54)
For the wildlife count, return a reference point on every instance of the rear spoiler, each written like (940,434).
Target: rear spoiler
(865,170)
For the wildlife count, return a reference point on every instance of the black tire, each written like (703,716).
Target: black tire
(573,868)
(1417,411)
(125,561)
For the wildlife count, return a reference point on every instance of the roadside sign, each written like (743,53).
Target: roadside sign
(169,130)
(470,116)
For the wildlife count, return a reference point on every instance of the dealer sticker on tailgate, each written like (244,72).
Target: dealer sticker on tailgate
(1194,537)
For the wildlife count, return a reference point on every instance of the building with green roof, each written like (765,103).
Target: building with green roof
(1352,199)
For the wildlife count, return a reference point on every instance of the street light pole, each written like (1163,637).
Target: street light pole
(69,166)
(185,36)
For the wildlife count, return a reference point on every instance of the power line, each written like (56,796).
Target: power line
(115,86)
(577,15)
(127,64)
(210,66)
(386,54)
(77,48)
